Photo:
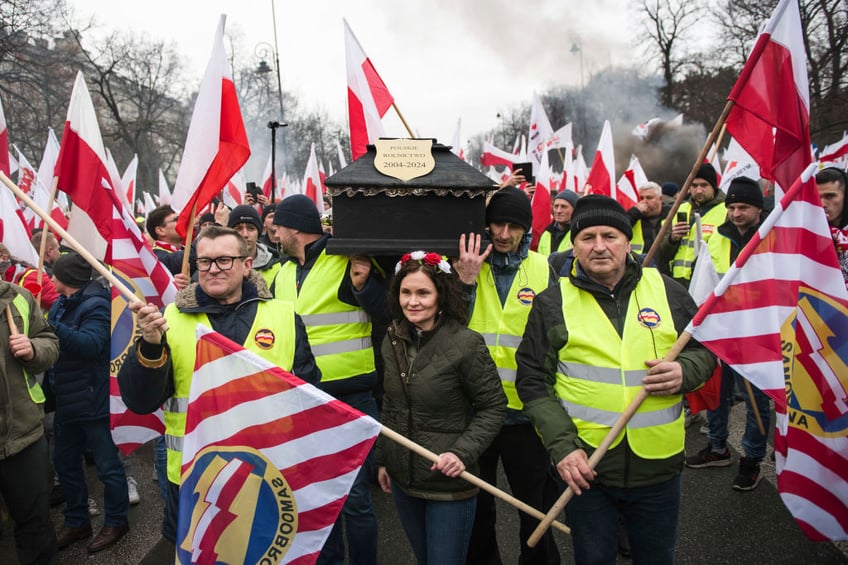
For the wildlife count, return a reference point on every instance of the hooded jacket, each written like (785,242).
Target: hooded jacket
(21,418)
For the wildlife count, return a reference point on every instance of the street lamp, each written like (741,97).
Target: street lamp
(577,49)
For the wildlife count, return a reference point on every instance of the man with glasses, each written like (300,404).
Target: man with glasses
(234,301)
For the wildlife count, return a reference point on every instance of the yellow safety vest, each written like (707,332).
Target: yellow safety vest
(545,243)
(36,394)
(637,243)
(269,274)
(599,373)
(339,333)
(274,325)
(684,259)
(502,327)
(719,247)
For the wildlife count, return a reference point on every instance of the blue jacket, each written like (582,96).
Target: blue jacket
(79,381)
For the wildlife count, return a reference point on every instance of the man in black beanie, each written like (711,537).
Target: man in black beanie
(245,220)
(337,297)
(706,200)
(590,345)
(744,210)
(502,282)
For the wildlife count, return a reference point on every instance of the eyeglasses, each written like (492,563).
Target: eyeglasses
(224,262)
(171,220)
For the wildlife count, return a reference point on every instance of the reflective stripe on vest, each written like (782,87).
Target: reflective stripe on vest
(339,333)
(503,326)
(36,394)
(545,239)
(684,259)
(274,316)
(599,373)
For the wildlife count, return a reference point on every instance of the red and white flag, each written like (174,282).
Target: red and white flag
(739,164)
(128,179)
(13,229)
(561,139)
(268,177)
(601,178)
(134,263)
(312,186)
(581,171)
(492,156)
(83,174)
(540,130)
(149,204)
(163,196)
(5,164)
(235,189)
(541,203)
(779,317)
(368,97)
(456,140)
(268,460)
(770,117)
(216,146)
(835,153)
(26,173)
(342,160)
(632,179)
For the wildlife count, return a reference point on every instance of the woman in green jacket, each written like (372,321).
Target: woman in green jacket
(442,391)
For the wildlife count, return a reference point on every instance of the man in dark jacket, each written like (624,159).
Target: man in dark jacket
(27,346)
(590,345)
(231,298)
(79,382)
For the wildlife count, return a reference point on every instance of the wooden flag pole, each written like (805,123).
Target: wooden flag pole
(70,241)
(718,142)
(473,479)
(602,448)
(189,233)
(402,119)
(43,246)
(754,408)
(684,190)
(13,327)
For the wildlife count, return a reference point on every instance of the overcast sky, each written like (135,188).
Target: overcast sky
(441,59)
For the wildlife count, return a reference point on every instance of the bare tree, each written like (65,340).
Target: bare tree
(667,24)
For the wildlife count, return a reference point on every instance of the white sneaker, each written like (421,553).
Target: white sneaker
(92,508)
(132,491)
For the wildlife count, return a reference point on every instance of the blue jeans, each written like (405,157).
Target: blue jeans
(438,530)
(650,517)
(753,442)
(160,453)
(69,443)
(360,523)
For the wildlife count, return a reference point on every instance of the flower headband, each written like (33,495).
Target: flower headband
(433,259)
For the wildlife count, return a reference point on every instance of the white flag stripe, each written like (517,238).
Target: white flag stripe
(802,463)
(318,444)
(740,324)
(768,371)
(307,543)
(774,268)
(803,509)
(318,494)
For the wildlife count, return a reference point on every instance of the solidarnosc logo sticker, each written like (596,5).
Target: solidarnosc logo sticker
(235,507)
(264,338)
(526,296)
(649,318)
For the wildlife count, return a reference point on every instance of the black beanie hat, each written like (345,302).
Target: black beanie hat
(568,195)
(298,212)
(599,210)
(72,270)
(708,173)
(244,214)
(510,205)
(669,188)
(744,190)
(269,209)
(207,217)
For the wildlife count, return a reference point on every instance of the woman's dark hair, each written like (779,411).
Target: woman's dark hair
(452,304)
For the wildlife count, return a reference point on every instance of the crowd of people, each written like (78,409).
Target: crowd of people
(499,356)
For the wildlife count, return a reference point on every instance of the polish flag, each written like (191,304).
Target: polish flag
(216,146)
(149,204)
(5,164)
(342,161)
(235,189)
(492,156)
(26,173)
(561,139)
(627,189)
(81,168)
(581,171)
(541,203)
(601,178)
(267,178)
(312,181)
(368,97)
(771,114)
(456,140)
(13,229)
(128,179)
(540,130)
(164,195)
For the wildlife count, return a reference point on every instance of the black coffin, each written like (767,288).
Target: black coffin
(375,214)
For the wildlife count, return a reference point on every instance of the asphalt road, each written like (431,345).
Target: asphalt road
(717,524)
